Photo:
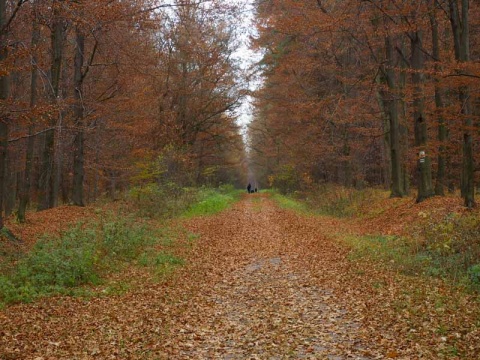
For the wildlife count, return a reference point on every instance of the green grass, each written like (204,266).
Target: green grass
(213,201)
(287,202)
(78,256)
(393,251)
(161,263)
(87,253)
(163,201)
(447,249)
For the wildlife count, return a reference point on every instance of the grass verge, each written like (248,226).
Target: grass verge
(330,200)
(78,256)
(89,252)
(286,202)
(213,201)
(448,248)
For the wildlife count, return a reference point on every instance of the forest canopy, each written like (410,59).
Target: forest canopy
(366,93)
(99,96)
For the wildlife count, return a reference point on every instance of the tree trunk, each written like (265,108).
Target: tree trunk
(4,94)
(392,107)
(402,121)
(461,37)
(442,129)
(347,163)
(387,178)
(46,199)
(78,143)
(424,183)
(11,177)
(27,179)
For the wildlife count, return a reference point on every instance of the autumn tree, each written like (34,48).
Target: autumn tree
(325,61)
(7,16)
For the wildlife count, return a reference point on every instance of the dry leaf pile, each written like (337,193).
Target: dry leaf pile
(259,283)
(51,221)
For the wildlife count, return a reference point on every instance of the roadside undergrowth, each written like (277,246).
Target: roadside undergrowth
(213,201)
(423,281)
(94,256)
(436,238)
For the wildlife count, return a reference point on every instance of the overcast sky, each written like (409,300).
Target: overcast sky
(245,55)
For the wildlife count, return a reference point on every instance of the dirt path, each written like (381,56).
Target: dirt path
(268,304)
(260,283)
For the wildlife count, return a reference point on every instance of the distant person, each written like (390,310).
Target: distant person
(249,188)
(256,189)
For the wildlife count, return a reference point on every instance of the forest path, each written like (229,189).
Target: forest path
(259,283)
(275,297)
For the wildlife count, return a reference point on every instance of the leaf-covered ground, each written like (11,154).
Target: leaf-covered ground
(259,283)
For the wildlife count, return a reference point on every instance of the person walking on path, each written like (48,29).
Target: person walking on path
(249,188)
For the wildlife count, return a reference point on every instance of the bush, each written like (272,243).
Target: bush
(122,239)
(161,201)
(334,200)
(453,245)
(63,262)
(286,179)
(74,258)
(212,201)
(451,248)
(474,274)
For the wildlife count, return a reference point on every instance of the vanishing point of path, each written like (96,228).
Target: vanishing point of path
(259,283)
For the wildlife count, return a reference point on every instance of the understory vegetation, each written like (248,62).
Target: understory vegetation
(446,247)
(169,200)
(89,252)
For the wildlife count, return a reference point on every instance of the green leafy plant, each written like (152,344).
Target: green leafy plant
(474,274)
(212,201)
(76,257)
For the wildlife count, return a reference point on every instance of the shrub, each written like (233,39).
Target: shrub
(63,262)
(74,258)
(212,201)
(453,245)
(474,274)
(286,179)
(122,239)
(161,200)
(335,200)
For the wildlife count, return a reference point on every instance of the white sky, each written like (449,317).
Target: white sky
(246,56)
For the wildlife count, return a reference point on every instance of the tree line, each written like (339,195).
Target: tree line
(369,93)
(97,96)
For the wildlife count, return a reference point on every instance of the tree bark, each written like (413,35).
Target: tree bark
(439,105)
(11,177)
(402,121)
(392,108)
(27,178)
(78,143)
(46,199)
(461,37)
(424,183)
(4,119)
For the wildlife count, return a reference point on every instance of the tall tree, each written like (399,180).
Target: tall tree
(5,23)
(396,156)
(424,182)
(439,104)
(57,40)
(4,95)
(459,19)
(27,178)
(78,143)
